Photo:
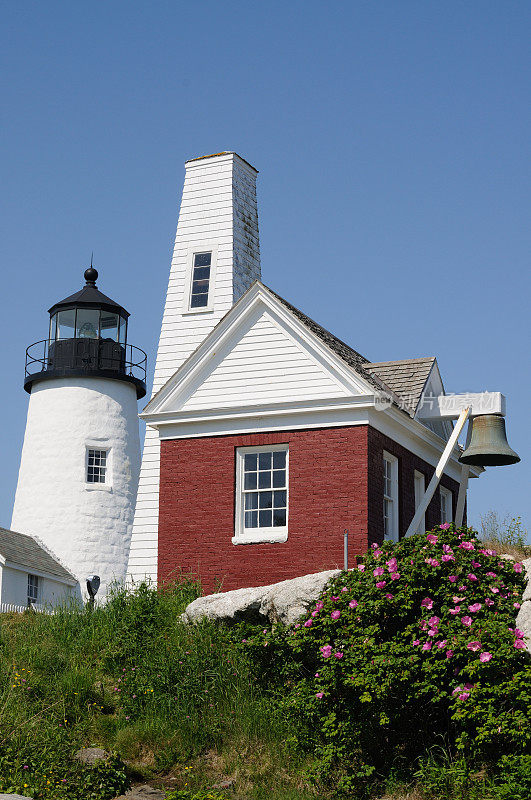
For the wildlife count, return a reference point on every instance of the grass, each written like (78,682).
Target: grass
(176,703)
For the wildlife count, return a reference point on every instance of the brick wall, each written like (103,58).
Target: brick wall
(327,494)
(335,483)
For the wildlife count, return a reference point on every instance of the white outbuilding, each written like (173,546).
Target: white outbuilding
(30,575)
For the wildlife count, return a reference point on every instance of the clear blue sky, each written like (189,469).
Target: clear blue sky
(393,143)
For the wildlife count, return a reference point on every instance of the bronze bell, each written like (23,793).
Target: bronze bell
(488,445)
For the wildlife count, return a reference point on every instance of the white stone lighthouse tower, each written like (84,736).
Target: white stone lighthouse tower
(80,462)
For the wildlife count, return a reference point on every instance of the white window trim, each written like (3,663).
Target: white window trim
(420,490)
(448,495)
(242,535)
(204,248)
(99,487)
(393,460)
(36,598)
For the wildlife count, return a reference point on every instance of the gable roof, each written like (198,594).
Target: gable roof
(407,378)
(25,551)
(403,383)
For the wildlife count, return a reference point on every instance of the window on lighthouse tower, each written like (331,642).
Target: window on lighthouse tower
(96,465)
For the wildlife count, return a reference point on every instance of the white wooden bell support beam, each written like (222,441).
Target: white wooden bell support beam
(439,471)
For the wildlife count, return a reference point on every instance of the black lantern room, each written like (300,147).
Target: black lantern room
(87,338)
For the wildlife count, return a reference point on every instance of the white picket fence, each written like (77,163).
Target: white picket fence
(6,608)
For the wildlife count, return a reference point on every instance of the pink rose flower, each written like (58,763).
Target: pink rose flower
(319,695)
(380,584)
(377,572)
(494,590)
(519,644)
(434,621)
(467,545)
(392,564)
(319,605)
(462,588)
(326,651)
(335,614)
(433,632)
(432,562)
(353,604)
(339,654)
(432,539)
(389,596)
(466,621)
(416,643)
(476,564)
(444,526)
(491,575)
(449,653)
(447,557)
(452,578)
(517,567)
(489,602)
(474,607)
(516,605)
(427,603)
(447,548)
(484,657)
(474,646)
(464,695)
(308,623)
(361,567)
(518,633)
(395,576)
(455,610)
(471,576)
(442,643)
(426,646)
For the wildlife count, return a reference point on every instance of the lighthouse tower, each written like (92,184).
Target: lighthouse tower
(80,462)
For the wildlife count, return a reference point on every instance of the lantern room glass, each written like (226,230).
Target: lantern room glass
(109,326)
(66,323)
(87,323)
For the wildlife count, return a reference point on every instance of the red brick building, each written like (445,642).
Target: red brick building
(268,437)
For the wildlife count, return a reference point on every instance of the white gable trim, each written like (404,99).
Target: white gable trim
(225,335)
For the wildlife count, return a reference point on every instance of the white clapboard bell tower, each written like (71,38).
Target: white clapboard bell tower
(80,461)
(215,260)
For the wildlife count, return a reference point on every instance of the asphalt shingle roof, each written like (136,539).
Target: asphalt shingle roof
(25,551)
(407,378)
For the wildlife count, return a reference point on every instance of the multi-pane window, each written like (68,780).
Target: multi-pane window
(200,280)
(96,465)
(264,490)
(33,588)
(446,504)
(390,497)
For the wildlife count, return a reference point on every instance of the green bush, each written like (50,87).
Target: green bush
(417,643)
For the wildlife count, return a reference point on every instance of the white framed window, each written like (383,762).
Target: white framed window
(262,489)
(33,589)
(96,465)
(390,497)
(420,489)
(446,504)
(200,280)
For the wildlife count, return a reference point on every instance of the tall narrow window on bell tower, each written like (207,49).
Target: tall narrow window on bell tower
(200,287)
